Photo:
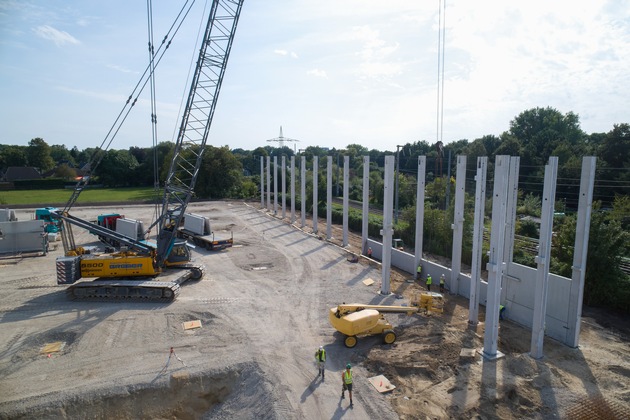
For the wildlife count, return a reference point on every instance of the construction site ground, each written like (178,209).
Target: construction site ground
(263,311)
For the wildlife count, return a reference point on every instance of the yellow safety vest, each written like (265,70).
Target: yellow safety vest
(441,280)
(347,376)
(429,280)
(320,355)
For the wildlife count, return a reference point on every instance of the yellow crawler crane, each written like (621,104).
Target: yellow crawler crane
(355,320)
(124,274)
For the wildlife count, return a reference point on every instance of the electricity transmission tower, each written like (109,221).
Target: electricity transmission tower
(281,139)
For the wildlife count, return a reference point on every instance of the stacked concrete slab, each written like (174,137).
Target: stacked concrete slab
(26,236)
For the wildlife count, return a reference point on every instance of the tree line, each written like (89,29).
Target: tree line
(534,136)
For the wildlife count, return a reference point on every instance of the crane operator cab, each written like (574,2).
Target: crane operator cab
(180,254)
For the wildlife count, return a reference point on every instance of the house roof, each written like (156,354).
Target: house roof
(15,173)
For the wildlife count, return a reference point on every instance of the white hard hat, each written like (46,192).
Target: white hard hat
(321,347)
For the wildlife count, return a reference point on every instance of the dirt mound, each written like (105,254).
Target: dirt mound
(237,392)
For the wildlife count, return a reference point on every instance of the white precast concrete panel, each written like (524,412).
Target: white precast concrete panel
(582,233)
(262,182)
(268,183)
(24,236)
(292,189)
(275,185)
(495,263)
(458,223)
(315,186)
(388,229)
(346,189)
(303,190)
(544,255)
(477,251)
(366,203)
(422,170)
(328,197)
(512,200)
(284,186)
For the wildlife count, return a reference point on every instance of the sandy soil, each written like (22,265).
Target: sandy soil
(263,309)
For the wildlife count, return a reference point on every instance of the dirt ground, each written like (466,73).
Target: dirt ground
(263,309)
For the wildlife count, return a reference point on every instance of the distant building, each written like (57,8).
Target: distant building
(16,173)
(78,171)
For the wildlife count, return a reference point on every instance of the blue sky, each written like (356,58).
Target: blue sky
(331,73)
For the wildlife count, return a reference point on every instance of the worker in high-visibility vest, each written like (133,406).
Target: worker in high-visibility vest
(429,282)
(346,378)
(320,356)
(442,282)
(418,271)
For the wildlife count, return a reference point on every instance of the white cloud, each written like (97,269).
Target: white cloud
(376,56)
(121,69)
(58,37)
(317,73)
(286,53)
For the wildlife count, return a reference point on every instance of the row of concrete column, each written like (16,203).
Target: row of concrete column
(504,201)
(283,168)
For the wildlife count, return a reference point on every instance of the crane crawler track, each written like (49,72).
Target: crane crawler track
(124,290)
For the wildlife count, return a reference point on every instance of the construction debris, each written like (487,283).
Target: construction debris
(381,383)
(189,325)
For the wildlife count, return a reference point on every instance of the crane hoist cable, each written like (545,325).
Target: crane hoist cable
(439,130)
(191,68)
(101,150)
(154,128)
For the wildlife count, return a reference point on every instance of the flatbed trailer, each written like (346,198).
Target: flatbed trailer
(208,242)
(196,229)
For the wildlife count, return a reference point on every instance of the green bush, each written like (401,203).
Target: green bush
(39,184)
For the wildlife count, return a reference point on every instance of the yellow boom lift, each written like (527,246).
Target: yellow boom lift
(355,320)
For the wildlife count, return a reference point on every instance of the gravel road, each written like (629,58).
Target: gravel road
(263,309)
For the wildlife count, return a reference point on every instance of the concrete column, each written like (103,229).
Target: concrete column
(458,223)
(292,189)
(328,197)
(477,251)
(422,171)
(303,189)
(512,201)
(388,228)
(268,183)
(315,199)
(495,263)
(262,182)
(275,185)
(366,203)
(284,186)
(346,190)
(582,231)
(543,258)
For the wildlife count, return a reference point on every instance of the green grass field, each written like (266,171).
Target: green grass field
(60,197)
